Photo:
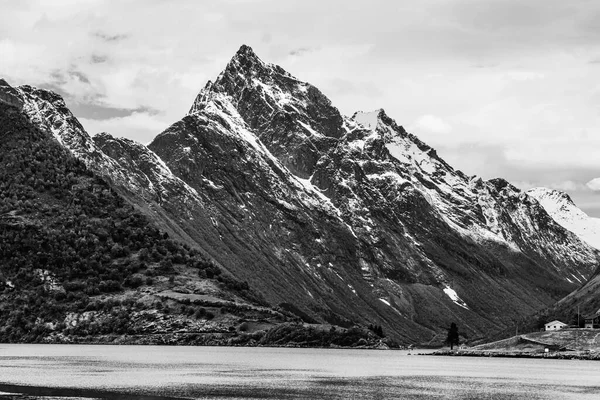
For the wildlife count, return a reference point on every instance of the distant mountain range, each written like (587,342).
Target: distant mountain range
(335,219)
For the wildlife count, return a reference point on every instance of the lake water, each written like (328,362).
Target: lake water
(152,372)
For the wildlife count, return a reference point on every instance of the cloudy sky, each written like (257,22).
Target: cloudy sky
(501,88)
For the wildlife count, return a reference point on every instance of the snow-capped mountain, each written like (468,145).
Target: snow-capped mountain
(336,218)
(408,215)
(560,207)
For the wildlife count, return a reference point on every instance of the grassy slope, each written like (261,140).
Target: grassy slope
(571,339)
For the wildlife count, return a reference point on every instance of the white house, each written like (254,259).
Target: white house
(592,321)
(554,325)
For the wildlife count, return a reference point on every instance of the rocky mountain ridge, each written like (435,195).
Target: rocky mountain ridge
(338,219)
(49,111)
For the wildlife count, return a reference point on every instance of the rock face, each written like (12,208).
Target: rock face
(339,219)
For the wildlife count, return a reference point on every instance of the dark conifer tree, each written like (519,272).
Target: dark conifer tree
(452,338)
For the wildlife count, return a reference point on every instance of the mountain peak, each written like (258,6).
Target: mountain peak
(245,62)
(263,94)
(244,67)
(245,51)
(368,119)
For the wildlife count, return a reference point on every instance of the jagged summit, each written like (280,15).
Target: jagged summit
(238,73)
(246,56)
(243,70)
(245,51)
(246,63)
(293,119)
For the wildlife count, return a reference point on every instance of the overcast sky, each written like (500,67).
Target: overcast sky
(501,88)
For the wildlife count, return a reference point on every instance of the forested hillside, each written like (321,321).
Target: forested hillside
(67,238)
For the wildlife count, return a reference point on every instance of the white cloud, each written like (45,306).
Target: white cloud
(524,75)
(554,153)
(135,126)
(431,123)
(567,186)
(594,184)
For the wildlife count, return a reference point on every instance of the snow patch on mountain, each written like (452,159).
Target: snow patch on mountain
(384,301)
(562,209)
(369,120)
(408,152)
(309,129)
(455,298)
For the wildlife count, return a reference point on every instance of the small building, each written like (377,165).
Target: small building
(592,321)
(554,325)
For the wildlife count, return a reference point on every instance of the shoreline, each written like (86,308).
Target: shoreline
(293,345)
(565,355)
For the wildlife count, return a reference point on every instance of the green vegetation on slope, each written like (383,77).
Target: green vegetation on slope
(68,240)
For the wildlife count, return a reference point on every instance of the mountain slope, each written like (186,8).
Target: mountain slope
(560,207)
(132,169)
(75,256)
(78,263)
(338,219)
(584,299)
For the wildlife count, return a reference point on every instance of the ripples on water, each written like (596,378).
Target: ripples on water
(156,372)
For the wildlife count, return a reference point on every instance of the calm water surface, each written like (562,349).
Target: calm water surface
(150,372)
